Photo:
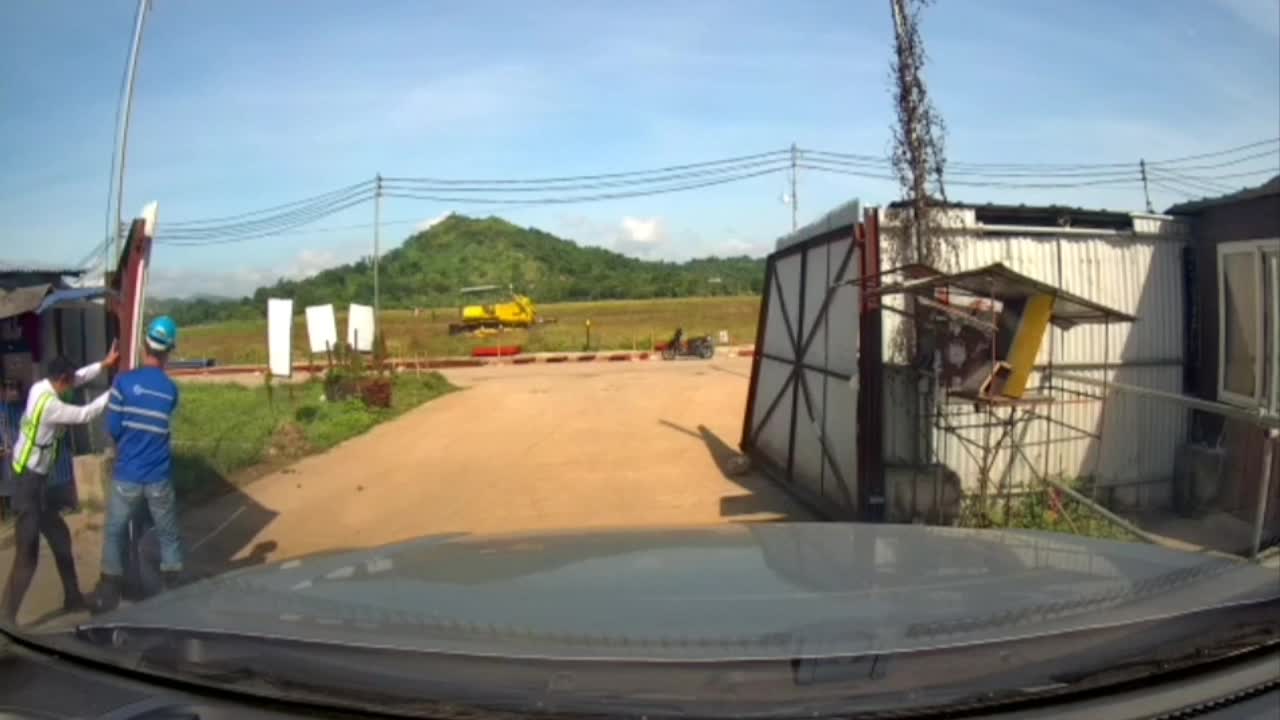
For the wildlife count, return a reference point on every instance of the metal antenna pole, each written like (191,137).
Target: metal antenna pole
(795,202)
(143,6)
(1146,193)
(377,223)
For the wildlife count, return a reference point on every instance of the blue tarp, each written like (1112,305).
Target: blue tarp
(59,297)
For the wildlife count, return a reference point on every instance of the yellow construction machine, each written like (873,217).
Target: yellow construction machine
(493,307)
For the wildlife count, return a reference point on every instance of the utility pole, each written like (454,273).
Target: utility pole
(795,202)
(1142,166)
(130,74)
(377,223)
(909,110)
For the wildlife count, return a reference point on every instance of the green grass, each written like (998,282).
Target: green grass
(222,432)
(1037,511)
(615,325)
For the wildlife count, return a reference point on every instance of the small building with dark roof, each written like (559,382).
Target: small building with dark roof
(1233,334)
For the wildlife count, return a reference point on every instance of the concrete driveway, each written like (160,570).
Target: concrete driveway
(528,447)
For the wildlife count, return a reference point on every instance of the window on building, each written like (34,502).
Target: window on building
(1249,318)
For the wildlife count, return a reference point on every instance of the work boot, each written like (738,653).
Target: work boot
(170,579)
(74,602)
(106,597)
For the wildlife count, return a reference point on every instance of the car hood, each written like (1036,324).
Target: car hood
(763,591)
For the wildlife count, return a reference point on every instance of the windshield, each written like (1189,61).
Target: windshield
(710,359)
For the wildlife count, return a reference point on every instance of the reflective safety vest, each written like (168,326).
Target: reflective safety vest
(31,426)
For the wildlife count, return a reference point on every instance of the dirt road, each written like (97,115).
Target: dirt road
(521,448)
(527,447)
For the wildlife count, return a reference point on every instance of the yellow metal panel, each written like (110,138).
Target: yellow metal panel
(1026,343)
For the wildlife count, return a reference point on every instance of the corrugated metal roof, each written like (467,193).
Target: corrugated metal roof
(1038,215)
(19,268)
(70,295)
(1270,187)
(22,300)
(1004,284)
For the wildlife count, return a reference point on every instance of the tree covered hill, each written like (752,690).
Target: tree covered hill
(430,267)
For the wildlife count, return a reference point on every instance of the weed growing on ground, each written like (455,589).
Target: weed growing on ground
(1047,509)
(223,429)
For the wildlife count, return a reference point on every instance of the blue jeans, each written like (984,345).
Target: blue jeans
(125,499)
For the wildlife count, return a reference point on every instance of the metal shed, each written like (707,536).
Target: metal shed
(1131,262)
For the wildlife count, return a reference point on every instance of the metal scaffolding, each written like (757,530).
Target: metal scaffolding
(967,325)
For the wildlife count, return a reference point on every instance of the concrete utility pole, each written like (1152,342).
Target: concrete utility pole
(795,201)
(377,227)
(1142,166)
(909,108)
(130,73)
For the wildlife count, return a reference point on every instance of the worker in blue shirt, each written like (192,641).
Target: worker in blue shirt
(138,416)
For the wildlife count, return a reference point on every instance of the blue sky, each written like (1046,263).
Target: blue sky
(241,105)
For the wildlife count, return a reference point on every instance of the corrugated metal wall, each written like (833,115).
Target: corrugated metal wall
(1133,273)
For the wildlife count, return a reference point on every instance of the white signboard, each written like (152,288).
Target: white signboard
(360,328)
(279,336)
(322,329)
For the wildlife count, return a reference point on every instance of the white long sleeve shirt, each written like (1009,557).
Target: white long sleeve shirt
(57,415)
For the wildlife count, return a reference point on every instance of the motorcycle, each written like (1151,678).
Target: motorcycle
(701,346)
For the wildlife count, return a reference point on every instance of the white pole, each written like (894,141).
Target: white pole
(377,224)
(795,202)
(143,6)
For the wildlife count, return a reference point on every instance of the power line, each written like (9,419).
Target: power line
(1032,167)
(576,178)
(264,223)
(1173,189)
(1133,179)
(589,198)
(289,217)
(1210,186)
(1218,153)
(1182,186)
(271,232)
(426,185)
(1131,169)
(1224,176)
(1226,163)
(305,201)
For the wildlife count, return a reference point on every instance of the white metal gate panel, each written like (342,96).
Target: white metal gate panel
(802,428)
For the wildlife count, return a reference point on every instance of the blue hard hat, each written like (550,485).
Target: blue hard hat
(162,334)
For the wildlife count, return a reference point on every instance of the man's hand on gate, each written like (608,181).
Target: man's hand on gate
(113,357)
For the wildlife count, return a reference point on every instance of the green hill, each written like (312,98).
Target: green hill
(430,267)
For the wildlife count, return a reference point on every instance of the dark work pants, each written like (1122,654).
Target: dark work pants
(36,514)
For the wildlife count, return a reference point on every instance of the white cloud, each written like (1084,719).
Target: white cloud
(735,247)
(185,282)
(640,236)
(432,222)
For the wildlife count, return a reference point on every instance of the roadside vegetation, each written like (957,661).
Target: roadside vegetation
(615,325)
(225,434)
(1045,509)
